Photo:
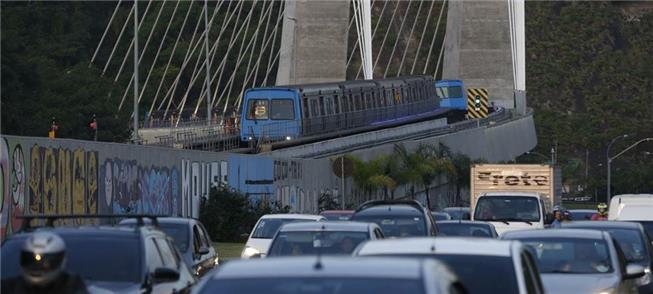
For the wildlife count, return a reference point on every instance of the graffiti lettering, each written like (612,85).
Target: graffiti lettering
(512,180)
(130,188)
(284,170)
(197,178)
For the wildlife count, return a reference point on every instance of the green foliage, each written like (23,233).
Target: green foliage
(46,48)
(420,168)
(227,214)
(589,69)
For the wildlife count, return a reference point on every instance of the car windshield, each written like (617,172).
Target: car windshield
(631,242)
(282,109)
(309,243)
(507,208)
(465,230)
(396,225)
(441,216)
(457,213)
(179,233)
(321,285)
(95,258)
(266,228)
(568,255)
(449,92)
(648,227)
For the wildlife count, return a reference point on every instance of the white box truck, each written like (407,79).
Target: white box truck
(514,196)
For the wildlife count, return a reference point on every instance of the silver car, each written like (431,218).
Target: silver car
(580,261)
(330,274)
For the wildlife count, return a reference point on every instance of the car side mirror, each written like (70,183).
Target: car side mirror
(548,219)
(203,251)
(165,275)
(634,271)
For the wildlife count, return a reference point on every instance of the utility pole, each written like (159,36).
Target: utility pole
(135,137)
(208,63)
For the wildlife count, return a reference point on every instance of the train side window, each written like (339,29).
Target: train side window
(328,105)
(336,104)
(321,105)
(345,103)
(374,100)
(388,97)
(357,102)
(306,113)
(315,111)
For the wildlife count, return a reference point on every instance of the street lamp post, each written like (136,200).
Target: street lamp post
(610,159)
(544,156)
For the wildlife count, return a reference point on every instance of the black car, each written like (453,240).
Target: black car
(405,218)
(141,259)
(461,228)
(191,239)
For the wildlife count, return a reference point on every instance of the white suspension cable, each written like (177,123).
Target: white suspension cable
(435,34)
(437,66)
(262,48)
(353,51)
(97,49)
(156,58)
(392,19)
(394,48)
(140,57)
(131,45)
(172,54)
(282,8)
(419,47)
(115,45)
(410,38)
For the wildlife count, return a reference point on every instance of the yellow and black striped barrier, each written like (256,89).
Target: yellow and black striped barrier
(477,103)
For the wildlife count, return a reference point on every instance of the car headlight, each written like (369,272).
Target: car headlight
(216,261)
(607,291)
(646,278)
(249,252)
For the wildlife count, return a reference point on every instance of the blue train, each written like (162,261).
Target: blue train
(325,110)
(452,96)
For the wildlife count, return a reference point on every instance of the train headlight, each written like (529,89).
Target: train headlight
(288,138)
(249,138)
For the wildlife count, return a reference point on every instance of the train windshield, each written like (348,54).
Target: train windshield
(282,109)
(257,109)
(449,92)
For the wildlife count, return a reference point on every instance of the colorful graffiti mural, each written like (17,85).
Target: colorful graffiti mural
(131,188)
(197,178)
(62,181)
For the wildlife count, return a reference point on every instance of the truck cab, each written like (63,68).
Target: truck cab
(511,211)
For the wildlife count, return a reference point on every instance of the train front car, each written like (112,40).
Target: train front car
(452,96)
(270,114)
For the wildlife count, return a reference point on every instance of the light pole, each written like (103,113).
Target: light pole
(544,156)
(610,159)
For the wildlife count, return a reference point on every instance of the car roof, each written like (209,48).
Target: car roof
(602,224)
(582,210)
(464,222)
(448,245)
(390,209)
(84,230)
(530,194)
(292,216)
(336,211)
(161,220)
(327,226)
(555,233)
(305,266)
(460,208)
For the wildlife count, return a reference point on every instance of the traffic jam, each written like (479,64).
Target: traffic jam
(514,237)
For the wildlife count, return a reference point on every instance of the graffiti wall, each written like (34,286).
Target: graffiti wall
(60,176)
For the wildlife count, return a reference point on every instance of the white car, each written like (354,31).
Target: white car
(267,226)
(483,265)
(512,211)
(631,207)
